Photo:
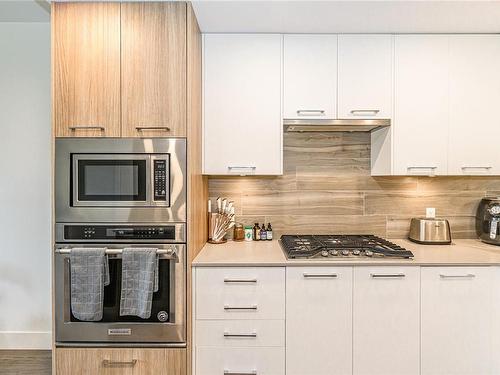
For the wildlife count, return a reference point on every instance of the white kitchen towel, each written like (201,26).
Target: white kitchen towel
(139,281)
(89,270)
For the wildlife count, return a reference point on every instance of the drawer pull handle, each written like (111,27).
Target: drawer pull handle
(364,112)
(387,275)
(110,363)
(235,281)
(82,127)
(311,112)
(229,308)
(320,275)
(141,128)
(240,335)
(228,372)
(466,276)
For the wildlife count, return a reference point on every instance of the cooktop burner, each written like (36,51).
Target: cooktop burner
(341,246)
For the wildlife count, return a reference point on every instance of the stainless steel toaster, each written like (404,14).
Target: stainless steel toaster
(430,231)
(488,220)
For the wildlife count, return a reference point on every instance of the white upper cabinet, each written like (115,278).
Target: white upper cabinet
(421,100)
(474,100)
(365,71)
(242,123)
(310,76)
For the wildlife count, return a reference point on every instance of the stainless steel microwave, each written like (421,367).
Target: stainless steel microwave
(120,180)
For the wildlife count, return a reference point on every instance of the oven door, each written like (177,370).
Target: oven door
(166,324)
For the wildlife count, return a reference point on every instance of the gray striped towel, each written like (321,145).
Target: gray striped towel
(139,281)
(89,270)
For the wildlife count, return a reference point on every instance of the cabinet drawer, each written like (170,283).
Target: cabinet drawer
(240,293)
(240,361)
(120,361)
(240,333)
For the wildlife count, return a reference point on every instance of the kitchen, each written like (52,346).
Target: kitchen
(357,138)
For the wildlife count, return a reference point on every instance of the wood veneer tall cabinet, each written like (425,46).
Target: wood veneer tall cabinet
(119,69)
(153,69)
(154,81)
(86,69)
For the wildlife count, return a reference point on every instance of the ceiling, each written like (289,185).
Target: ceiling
(24,11)
(349,16)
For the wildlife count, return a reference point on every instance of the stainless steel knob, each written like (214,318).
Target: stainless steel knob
(334,252)
(324,253)
(369,253)
(356,252)
(345,252)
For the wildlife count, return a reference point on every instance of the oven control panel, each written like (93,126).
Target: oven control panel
(160,180)
(118,232)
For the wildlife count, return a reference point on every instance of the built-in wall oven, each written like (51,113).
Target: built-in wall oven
(117,194)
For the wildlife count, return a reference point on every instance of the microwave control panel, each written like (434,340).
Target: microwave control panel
(160,180)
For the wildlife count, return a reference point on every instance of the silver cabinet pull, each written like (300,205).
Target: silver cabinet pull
(387,275)
(241,167)
(311,112)
(466,276)
(82,127)
(110,363)
(240,335)
(229,308)
(141,128)
(228,372)
(320,275)
(431,169)
(364,112)
(422,168)
(238,281)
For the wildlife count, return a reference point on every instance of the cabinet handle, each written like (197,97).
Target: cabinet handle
(228,372)
(141,128)
(82,127)
(242,170)
(229,308)
(364,112)
(241,335)
(244,281)
(242,167)
(387,275)
(431,170)
(466,276)
(311,112)
(483,170)
(110,363)
(320,275)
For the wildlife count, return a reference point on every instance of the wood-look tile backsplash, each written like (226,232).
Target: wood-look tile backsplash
(326,187)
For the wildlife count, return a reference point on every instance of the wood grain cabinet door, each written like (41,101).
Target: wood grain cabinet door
(120,361)
(153,63)
(86,69)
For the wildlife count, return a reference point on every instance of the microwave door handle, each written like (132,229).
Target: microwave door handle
(494,228)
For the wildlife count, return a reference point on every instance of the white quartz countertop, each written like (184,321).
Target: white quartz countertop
(269,253)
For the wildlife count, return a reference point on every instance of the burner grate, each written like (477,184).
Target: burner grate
(311,246)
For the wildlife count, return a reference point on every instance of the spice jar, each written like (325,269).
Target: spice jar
(248,233)
(238,232)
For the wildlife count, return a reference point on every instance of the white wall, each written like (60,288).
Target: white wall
(25,208)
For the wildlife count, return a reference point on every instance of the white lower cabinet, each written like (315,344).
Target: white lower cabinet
(457,307)
(240,361)
(344,320)
(386,326)
(319,320)
(239,326)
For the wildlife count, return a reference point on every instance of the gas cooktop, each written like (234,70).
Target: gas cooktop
(341,247)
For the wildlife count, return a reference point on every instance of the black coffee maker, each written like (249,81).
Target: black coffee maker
(488,220)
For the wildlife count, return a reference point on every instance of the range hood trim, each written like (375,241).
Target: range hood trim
(339,125)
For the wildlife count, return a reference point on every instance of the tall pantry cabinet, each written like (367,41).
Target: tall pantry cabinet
(130,70)
(119,69)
